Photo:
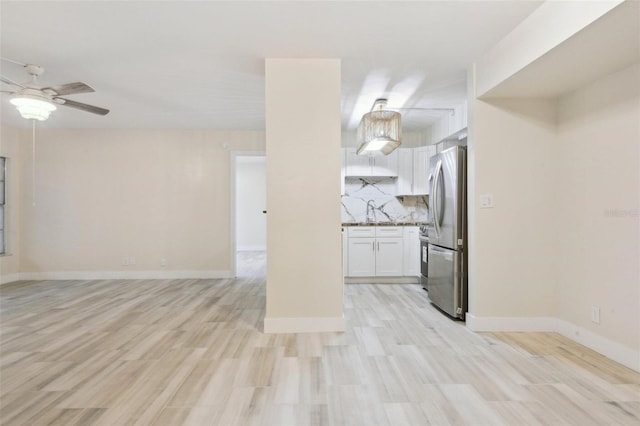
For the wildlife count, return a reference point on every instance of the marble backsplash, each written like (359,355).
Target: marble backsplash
(374,200)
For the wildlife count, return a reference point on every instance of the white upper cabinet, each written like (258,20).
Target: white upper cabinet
(413,173)
(450,125)
(356,165)
(459,120)
(385,165)
(421,158)
(370,166)
(405,171)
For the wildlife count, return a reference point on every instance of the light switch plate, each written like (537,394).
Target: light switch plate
(486,201)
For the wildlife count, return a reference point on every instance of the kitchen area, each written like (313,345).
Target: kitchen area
(406,208)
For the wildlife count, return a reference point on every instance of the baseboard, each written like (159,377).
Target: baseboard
(615,351)
(123,275)
(510,323)
(9,278)
(381,280)
(303,325)
(251,248)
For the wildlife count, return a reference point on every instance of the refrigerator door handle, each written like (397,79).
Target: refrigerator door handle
(434,195)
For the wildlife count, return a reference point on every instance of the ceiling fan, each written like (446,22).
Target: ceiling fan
(36,102)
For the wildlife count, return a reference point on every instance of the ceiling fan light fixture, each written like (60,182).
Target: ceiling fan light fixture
(33,108)
(379,131)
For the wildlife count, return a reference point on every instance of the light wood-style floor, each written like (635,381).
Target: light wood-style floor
(191,352)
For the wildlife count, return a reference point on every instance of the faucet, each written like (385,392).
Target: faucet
(371,215)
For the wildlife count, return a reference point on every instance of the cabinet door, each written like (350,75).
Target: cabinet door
(357,165)
(385,165)
(389,257)
(345,252)
(405,171)
(343,171)
(441,128)
(421,157)
(361,257)
(459,120)
(411,265)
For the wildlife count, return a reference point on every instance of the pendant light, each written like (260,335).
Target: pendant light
(379,131)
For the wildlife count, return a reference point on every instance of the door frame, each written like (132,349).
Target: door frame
(233,155)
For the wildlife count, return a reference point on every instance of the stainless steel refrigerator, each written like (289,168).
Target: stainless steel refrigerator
(447,249)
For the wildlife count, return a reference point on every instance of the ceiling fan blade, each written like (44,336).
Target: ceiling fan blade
(9,81)
(81,106)
(70,88)
(8,91)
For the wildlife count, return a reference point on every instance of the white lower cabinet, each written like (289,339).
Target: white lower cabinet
(345,251)
(375,251)
(411,265)
(361,257)
(389,257)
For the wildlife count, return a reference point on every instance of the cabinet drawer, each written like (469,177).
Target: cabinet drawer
(411,231)
(389,231)
(361,231)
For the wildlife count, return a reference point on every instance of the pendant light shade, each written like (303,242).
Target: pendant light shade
(379,131)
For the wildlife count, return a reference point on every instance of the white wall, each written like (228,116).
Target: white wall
(251,200)
(598,241)
(513,144)
(304,261)
(14,148)
(563,236)
(102,195)
(547,27)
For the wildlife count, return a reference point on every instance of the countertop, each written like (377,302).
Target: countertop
(382,223)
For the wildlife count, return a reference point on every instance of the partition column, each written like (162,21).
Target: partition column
(304,260)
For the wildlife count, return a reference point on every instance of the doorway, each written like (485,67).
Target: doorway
(249,207)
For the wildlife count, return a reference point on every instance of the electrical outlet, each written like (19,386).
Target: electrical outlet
(486,201)
(163,262)
(128,260)
(595,314)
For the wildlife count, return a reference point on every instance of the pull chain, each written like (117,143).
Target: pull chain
(33,166)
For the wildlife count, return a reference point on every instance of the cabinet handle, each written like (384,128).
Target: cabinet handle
(378,245)
(373,246)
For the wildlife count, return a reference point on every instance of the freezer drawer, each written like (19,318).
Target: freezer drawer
(447,281)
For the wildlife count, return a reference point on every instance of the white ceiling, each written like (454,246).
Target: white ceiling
(178,64)
(609,44)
